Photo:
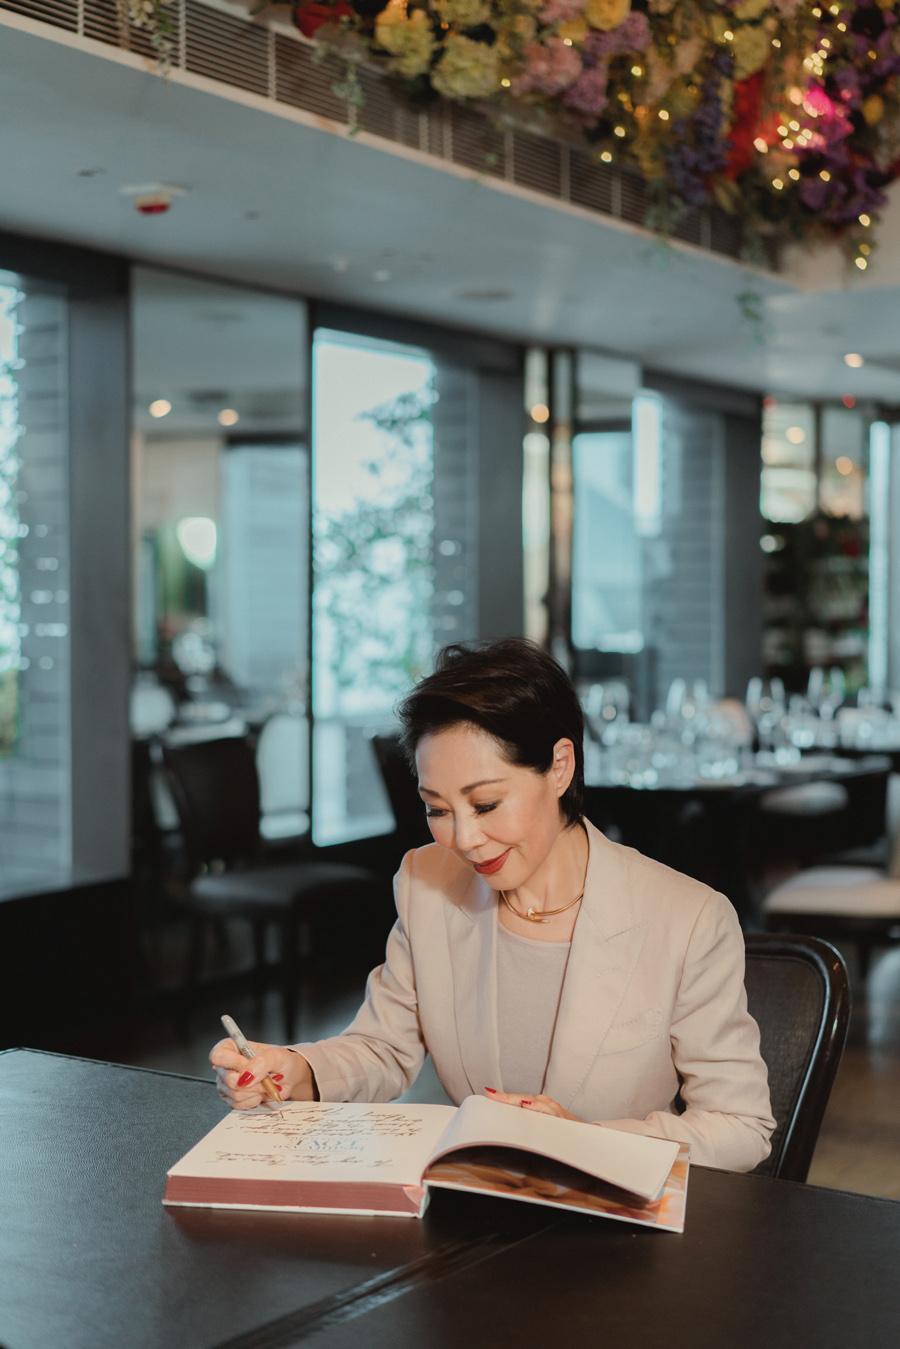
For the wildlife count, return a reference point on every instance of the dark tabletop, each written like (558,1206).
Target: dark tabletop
(89,1257)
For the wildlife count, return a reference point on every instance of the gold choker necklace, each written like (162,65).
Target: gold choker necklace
(539,915)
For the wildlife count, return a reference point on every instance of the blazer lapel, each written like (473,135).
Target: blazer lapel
(606,944)
(472,936)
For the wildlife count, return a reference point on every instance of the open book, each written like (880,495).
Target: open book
(340,1158)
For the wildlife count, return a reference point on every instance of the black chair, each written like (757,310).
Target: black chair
(411,826)
(215,788)
(799,995)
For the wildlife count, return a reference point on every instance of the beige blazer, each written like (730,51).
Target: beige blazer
(653,1003)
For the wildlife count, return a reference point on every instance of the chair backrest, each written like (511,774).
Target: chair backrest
(799,994)
(402,791)
(215,788)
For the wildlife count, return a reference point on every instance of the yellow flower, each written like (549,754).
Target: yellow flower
(752,48)
(606,14)
(573,29)
(873,109)
(467,69)
(751,9)
(395,13)
(682,98)
(409,39)
(462,13)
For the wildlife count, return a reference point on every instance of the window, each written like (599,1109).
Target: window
(395,552)
(35,784)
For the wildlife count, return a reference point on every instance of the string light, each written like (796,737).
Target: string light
(776,43)
(506,84)
(664,114)
(778,184)
(825,176)
(637,71)
(865,220)
(842,28)
(787,144)
(760,145)
(794,173)
(795,126)
(862,263)
(618,131)
(606,156)
(728,35)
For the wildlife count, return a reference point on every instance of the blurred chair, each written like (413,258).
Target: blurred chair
(857,904)
(215,787)
(282,761)
(839,819)
(151,708)
(402,791)
(799,995)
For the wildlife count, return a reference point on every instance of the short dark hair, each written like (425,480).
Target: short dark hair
(513,690)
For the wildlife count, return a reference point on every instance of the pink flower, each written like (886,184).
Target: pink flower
(588,94)
(550,67)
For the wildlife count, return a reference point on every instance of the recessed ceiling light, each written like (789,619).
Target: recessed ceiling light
(854,360)
(228,417)
(540,412)
(160,407)
(795,434)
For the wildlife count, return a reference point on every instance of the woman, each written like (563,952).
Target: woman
(534,959)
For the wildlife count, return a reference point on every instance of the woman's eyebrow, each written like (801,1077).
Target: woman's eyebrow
(485,782)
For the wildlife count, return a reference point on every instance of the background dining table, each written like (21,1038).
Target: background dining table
(713,828)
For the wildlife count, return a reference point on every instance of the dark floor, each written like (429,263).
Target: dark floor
(859,1144)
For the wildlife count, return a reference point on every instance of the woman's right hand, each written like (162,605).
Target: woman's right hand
(238,1079)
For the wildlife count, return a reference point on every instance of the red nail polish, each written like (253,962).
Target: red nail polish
(526,1103)
(492,1090)
(277,1077)
(245,1079)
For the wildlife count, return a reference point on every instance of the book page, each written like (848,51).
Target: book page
(511,1174)
(631,1161)
(316,1141)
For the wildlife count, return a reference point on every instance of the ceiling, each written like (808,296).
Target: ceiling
(277,200)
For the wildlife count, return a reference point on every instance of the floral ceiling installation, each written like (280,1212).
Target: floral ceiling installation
(783,112)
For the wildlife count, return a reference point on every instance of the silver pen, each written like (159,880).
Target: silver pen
(233,1029)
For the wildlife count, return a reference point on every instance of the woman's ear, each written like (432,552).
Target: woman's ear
(563,766)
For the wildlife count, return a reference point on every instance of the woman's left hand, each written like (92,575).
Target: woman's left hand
(539,1105)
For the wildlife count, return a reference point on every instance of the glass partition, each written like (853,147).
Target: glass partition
(221,536)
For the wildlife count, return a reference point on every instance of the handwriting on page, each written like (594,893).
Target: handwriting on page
(329,1136)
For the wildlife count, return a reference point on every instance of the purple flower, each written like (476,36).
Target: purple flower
(588,94)
(632,35)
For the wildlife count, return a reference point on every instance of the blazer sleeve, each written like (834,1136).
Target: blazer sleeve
(715,1049)
(380,1053)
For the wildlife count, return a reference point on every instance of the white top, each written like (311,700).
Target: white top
(530,976)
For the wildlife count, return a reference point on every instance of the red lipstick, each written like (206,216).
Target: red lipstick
(488,868)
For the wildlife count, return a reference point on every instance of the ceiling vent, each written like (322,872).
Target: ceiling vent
(274,61)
